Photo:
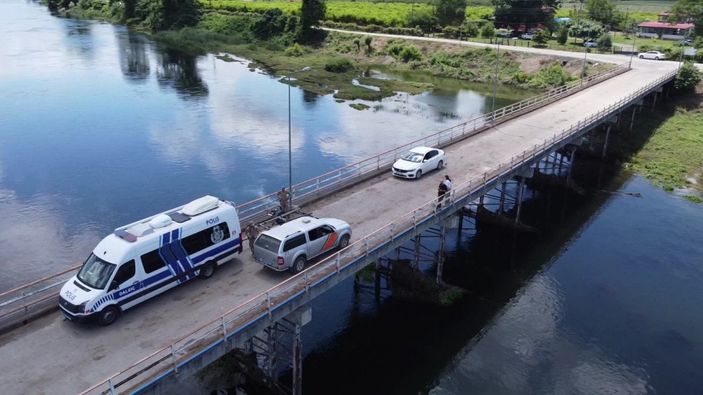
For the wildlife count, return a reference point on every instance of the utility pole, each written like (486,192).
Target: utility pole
(495,84)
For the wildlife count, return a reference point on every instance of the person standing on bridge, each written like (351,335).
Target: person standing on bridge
(441,191)
(283,199)
(447,183)
(251,233)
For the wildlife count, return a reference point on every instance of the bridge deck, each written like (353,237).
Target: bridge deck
(51,355)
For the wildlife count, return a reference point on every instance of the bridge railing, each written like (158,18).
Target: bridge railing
(21,303)
(263,306)
(321,185)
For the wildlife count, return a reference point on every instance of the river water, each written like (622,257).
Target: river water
(99,127)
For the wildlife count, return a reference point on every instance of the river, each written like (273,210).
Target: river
(100,126)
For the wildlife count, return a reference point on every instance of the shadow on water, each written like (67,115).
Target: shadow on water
(79,37)
(179,70)
(399,347)
(134,61)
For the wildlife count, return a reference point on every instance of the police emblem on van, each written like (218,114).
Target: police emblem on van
(217,235)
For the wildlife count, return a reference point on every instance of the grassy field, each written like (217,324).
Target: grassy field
(668,145)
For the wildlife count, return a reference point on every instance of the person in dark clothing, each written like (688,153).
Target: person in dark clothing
(441,191)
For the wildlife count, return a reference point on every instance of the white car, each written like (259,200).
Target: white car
(418,161)
(656,55)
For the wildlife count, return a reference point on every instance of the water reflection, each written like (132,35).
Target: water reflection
(134,60)
(179,70)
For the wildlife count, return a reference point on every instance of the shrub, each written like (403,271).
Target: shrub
(604,42)
(562,35)
(423,18)
(551,76)
(488,30)
(540,37)
(471,29)
(339,65)
(687,78)
(294,50)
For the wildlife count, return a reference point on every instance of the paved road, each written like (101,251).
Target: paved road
(53,356)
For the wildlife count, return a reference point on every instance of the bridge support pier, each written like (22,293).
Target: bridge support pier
(521,189)
(632,119)
(654,100)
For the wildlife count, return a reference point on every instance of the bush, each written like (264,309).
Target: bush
(423,18)
(605,42)
(339,65)
(549,77)
(562,35)
(488,31)
(687,78)
(295,50)
(471,29)
(540,37)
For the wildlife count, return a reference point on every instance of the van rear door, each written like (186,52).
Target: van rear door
(266,250)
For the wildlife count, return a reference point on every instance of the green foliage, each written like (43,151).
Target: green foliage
(167,14)
(693,9)
(530,13)
(551,76)
(586,29)
(405,52)
(425,19)
(295,50)
(562,35)
(339,65)
(541,37)
(274,23)
(450,12)
(368,40)
(605,42)
(488,30)
(687,78)
(311,13)
(602,11)
(471,29)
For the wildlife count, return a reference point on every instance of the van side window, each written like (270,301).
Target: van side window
(152,261)
(205,238)
(294,242)
(124,273)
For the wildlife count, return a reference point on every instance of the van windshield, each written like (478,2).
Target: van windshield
(268,243)
(95,272)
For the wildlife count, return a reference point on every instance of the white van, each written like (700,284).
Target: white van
(145,258)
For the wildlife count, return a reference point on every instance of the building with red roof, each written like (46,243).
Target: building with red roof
(664,29)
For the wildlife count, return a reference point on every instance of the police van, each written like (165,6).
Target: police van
(145,258)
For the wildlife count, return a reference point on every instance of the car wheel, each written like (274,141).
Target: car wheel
(641,56)
(344,242)
(298,265)
(656,58)
(206,271)
(108,315)
(418,174)
(440,165)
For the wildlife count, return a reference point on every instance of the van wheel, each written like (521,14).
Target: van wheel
(344,242)
(440,165)
(298,265)
(206,271)
(108,315)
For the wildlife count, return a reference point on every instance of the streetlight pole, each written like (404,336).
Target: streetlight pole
(495,84)
(583,70)
(634,47)
(290,147)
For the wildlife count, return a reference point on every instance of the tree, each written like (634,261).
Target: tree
(167,14)
(541,37)
(692,10)
(424,19)
(687,78)
(450,12)
(488,30)
(602,11)
(311,13)
(562,35)
(604,42)
(524,14)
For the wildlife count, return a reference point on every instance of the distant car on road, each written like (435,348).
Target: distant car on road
(590,44)
(527,36)
(418,161)
(656,55)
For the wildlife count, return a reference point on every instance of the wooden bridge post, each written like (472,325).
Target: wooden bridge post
(605,143)
(521,189)
(297,384)
(440,253)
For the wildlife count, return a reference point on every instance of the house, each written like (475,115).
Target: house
(664,29)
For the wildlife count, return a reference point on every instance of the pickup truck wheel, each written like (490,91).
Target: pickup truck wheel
(344,242)
(206,271)
(298,265)
(108,315)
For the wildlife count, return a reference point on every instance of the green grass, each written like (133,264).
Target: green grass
(671,141)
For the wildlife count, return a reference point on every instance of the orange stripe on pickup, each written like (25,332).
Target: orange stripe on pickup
(330,241)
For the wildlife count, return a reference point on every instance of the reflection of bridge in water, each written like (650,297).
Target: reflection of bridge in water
(160,344)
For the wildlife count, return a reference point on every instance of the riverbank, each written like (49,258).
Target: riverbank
(341,64)
(666,145)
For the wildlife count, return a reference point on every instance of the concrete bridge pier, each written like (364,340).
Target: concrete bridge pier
(635,107)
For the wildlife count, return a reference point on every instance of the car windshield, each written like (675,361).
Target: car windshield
(412,157)
(95,272)
(268,243)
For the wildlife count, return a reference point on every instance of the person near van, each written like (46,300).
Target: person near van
(283,199)
(251,231)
